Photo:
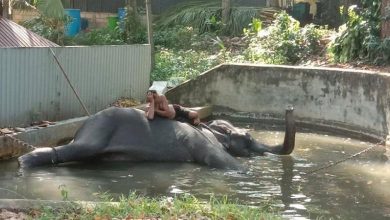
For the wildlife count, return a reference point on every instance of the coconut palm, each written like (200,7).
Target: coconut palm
(47,8)
(51,20)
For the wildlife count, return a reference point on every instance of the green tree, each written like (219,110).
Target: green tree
(51,21)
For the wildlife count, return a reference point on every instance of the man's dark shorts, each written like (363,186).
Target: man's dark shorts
(182,114)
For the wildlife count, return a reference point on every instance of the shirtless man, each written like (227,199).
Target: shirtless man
(158,104)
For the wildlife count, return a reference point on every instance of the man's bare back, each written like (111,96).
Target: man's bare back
(158,104)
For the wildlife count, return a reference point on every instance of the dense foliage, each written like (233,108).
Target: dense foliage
(130,31)
(181,37)
(184,54)
(49,28)
(284,42)
(133,31)
(181,65)
(359,38)
(191,38)
(102,36)
(206,17)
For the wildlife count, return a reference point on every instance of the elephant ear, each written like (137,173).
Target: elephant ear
(225,129)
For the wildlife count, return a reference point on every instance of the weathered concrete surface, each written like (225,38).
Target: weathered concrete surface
(40,137)
(347,100)
(28,204)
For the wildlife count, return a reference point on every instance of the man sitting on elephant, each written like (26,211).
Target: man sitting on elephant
(158,104)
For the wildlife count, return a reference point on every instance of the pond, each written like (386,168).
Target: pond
(355,189)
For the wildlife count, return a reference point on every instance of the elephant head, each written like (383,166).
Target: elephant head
(240,143)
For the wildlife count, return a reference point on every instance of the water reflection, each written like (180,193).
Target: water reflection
(355,189)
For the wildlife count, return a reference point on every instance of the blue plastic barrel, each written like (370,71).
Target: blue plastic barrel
(73,27)
(121,16)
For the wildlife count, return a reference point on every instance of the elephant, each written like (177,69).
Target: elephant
(125,134)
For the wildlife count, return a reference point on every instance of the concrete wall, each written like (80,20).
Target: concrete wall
(95,19)
(349,101)
(32,86)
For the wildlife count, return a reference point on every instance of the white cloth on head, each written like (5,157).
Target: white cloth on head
(160,87)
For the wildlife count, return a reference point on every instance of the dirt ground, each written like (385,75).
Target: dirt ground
(12,215)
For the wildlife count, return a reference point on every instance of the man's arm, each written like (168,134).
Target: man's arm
(163,109)
(149,113)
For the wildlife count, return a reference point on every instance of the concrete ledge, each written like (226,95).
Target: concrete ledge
(203,112)
(25,204)
(277,122)
(349,100)
(40,137)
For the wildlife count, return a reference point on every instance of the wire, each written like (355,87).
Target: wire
(340,161)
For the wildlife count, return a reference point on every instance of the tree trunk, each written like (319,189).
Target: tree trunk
(272,3)
(150,30)
(6,9)
(1,8)
(225,11)
(385,14)
(133,5)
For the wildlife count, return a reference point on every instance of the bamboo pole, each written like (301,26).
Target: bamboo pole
(68,80)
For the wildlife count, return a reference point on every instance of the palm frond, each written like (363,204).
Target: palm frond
(187,13)
(50,8)
(198,14)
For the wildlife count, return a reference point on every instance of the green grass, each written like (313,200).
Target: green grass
(181,207)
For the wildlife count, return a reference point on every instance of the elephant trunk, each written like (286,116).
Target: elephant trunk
(38,157)
(289,138)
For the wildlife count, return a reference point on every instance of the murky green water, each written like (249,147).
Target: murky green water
(356,189)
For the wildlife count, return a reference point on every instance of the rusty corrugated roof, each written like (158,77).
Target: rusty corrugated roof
(14,35)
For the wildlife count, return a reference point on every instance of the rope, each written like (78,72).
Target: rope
(11,191)
(27,146)
(201,132)
(332,164)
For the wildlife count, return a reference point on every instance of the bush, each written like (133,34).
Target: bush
(175,37)
(185,64)
(283,42)
(206,17)
(184,38)
(133,31)
(49,28)
(359,37)
(102,36)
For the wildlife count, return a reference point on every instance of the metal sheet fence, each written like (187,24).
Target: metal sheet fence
(32,86)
